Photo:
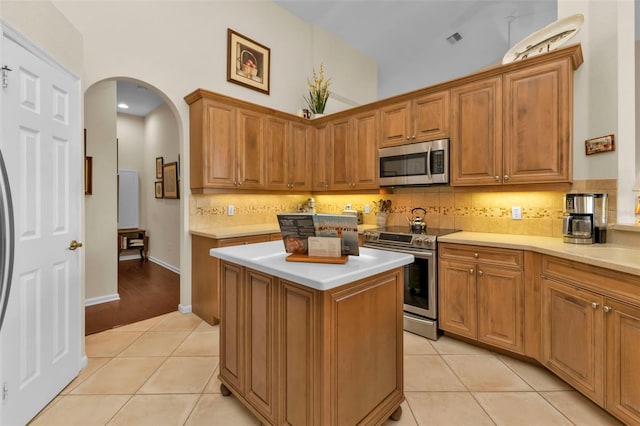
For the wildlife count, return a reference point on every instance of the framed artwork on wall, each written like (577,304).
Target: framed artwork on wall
(600,144)
(159,164)
(248,62)
(170,180)
(88,175)
(158,189)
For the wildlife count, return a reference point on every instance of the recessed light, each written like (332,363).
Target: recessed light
(123,106)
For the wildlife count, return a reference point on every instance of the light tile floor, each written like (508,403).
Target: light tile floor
(163,371)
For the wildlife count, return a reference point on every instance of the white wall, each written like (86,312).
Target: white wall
(604,101)
(176,47)
(101,207)
(162,216)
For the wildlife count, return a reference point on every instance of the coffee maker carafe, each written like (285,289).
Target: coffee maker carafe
(585,218)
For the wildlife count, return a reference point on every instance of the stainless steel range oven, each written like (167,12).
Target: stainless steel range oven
(420,277)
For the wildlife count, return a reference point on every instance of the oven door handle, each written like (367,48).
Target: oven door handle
(416,254)
(429,162)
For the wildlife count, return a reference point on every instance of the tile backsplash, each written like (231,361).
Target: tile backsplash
(447,207)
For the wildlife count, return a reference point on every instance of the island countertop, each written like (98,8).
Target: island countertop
(270,257)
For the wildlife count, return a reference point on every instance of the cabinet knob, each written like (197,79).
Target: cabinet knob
(594,305)
(497,177)
(480,273)
(413,137)
(607,309)
(475,255)
(408,137)
(471,271)
(506,177)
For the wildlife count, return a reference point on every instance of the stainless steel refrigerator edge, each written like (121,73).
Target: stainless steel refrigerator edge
(6,239)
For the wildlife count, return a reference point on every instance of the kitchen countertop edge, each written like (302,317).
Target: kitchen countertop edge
(609,256)
(249,230)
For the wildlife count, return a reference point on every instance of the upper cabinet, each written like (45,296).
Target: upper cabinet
(515,127)
(288,146)
(422,118)
(354,152)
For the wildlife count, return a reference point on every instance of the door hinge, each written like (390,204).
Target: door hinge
(5,76)
(5,391)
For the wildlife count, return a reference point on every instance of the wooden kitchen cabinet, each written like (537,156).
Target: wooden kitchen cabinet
(591,333)
(573,336)
(515,128)
(288,155)
(423,118)
(481,294)
(205,288)
(300,356)
(354,152)
(476,133)
(321,159)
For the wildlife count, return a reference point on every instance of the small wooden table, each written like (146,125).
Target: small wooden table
(134,238)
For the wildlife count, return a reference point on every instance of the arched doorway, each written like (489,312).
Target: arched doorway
(120,286)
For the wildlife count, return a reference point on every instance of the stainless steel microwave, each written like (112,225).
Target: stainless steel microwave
(422,163)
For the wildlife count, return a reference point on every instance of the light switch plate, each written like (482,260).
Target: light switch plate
(230,210)
(516,213)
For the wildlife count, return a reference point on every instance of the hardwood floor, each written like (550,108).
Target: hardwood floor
(146,290)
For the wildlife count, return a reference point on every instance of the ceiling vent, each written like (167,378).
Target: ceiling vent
(454,38)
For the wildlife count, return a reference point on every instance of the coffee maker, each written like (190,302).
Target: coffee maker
(585,218)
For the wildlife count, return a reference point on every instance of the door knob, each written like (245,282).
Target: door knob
(74,245)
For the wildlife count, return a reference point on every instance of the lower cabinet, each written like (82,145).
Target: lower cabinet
(299,356)
(481,294)
(205,290)
(590,337)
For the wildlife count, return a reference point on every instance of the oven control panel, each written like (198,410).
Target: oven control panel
(394,240)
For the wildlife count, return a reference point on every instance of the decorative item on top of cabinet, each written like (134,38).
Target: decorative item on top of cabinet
(481,294)
(423,118)
(515,127)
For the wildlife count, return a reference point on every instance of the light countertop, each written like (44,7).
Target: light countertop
(270,258)
(247,230)
(610,256)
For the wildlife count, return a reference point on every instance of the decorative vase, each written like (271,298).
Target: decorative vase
(381,219)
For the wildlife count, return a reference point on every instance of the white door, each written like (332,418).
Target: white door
(41,143)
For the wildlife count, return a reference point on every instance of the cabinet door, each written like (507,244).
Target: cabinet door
(298,349)
(395,124)
(261,373)
(215,152)
(299,156)
(572,337)
(476,133)
(277,158)
(250,156)
(538,124)
(364,151)
(457,298)
(341,164)
(623,368)
(321,159)
(500,293)
(431,116)
(232,325)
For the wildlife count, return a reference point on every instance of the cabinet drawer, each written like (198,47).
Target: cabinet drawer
(487,255)
(237,241)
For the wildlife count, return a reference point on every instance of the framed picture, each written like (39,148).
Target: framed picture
(170,180)
(248,62)
(158,189)
(601,144)
(88,175)
(159,164)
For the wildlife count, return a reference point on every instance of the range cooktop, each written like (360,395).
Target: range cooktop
(401,237)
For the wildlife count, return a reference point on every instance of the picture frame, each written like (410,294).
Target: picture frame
(170,180)
(159,191)
(159,165)
(248,62)
(599,144)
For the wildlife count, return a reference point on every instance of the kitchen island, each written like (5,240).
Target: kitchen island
(309,343)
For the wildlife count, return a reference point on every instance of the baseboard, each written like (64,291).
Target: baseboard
(101,299)
(130,257)
(184,309)
(165,265)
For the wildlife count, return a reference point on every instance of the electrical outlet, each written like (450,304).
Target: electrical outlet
(516,213)
(230,210)
(367,208)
